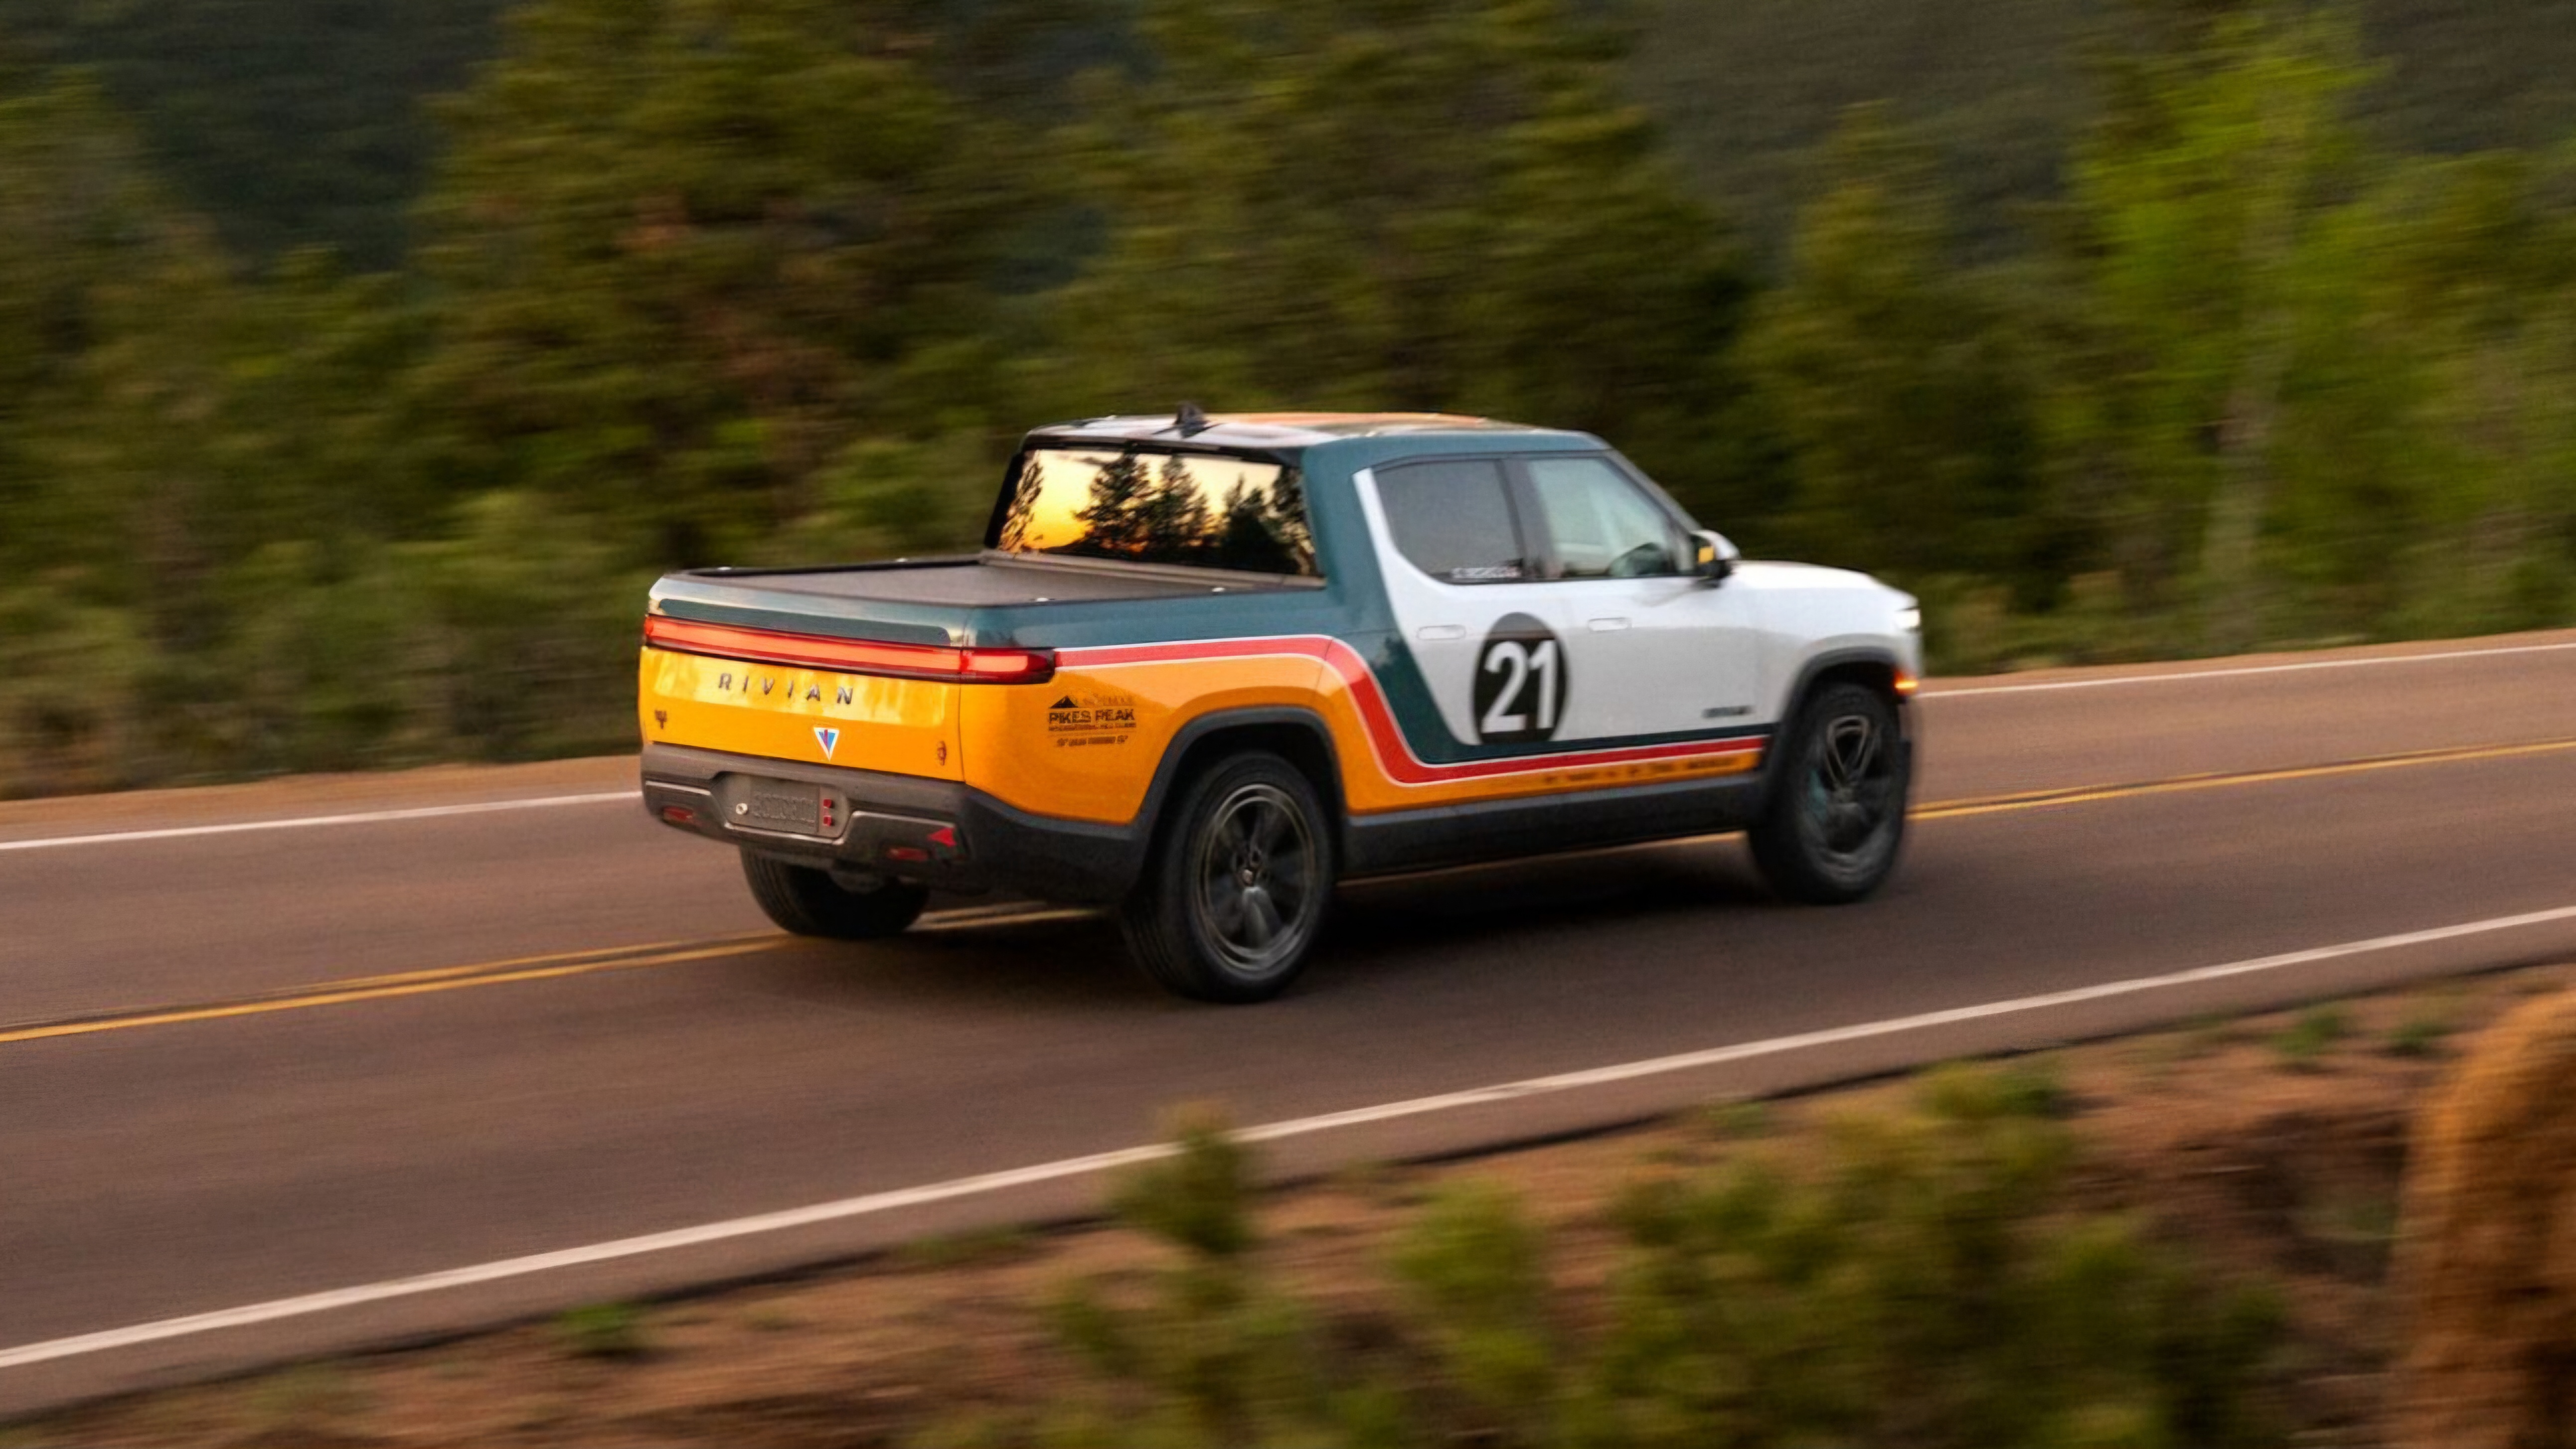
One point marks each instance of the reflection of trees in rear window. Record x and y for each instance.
(1208, 510)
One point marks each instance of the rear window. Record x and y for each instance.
(1138, 505)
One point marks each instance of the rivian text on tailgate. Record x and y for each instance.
(1204, 668)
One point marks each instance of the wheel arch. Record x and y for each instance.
(1875, 669)
(1295, 734)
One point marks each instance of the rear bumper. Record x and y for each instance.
(937, 832)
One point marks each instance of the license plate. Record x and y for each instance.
(783, 805)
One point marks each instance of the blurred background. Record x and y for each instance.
(361, 363)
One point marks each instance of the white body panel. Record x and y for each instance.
(1806, 613)
(1567, 660)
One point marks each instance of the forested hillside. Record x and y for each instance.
(286, 121)
(1750, 89)
(294, 121)
(2181, 329)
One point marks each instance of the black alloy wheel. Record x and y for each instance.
(1237, 890)
(1836, 815)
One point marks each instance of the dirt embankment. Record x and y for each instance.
(2487, 1273)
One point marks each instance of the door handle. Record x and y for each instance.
(1438, 633)
(1608, 626)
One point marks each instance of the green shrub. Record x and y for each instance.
(1919, 1282)
(2419, 1036)
(2312, 1036)
(1475, 1269)
(603, 1331)
(1207, 1354)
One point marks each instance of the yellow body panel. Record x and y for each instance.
(901, 726)
(1085, 747)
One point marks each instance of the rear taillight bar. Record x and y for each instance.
(937, 662)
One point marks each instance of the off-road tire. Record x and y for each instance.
(1841, 777)
(807, 901)
(1236, 890)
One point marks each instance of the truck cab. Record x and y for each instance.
(1206, 667)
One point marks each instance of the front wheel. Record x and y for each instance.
(1236, 891)
(810, 902)
(1836, 815)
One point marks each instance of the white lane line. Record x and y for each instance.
(883, 1202)
(368, 817)
(1939, 693)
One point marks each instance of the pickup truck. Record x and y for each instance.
(1207, 666)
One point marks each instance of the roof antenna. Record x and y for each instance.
(1191, 421)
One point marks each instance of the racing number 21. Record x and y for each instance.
(1529, 665)
(1518, 695)
(1531, 687)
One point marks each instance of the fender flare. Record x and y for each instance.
(1167, 771)
(1805, 685)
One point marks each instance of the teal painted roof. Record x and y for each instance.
(1272, 431)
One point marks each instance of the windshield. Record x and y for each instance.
(1207, 510)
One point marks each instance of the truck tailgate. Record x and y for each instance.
(715, 692)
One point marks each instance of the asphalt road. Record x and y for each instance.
(241, 1066)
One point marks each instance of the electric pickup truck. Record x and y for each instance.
(1205, 667)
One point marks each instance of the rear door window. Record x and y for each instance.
(1453, 520)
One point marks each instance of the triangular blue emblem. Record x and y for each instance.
(829, 739)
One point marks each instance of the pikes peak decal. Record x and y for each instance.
(1091, 718)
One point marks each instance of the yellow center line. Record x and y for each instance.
(2089, 794)
(337, 996)
(605, 955)
(2083, 795)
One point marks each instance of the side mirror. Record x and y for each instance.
(1717, 557)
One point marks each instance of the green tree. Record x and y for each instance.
(2198, 219)
(689, 251)
(287, 122)
(1896, 380)
(2470, 267)
(1380, 204)
(94, 261)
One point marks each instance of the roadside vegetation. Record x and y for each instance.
(2184, 1239)
(1914, 1278)
(2259, 350)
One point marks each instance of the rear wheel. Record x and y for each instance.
(1830, 831)
(813, 902)
(1236, 891)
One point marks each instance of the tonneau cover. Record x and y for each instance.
(991, 582)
